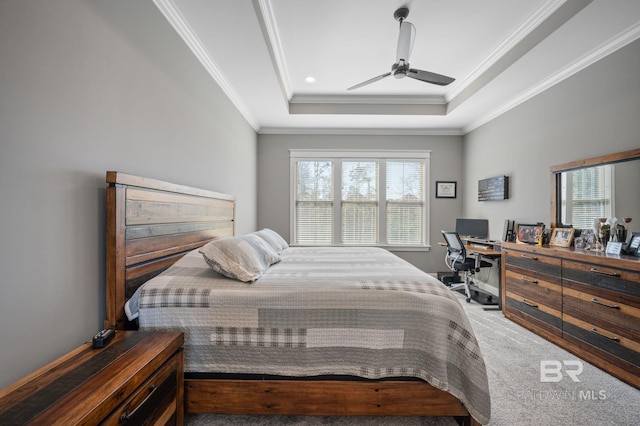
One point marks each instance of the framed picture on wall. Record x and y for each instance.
(445, 189)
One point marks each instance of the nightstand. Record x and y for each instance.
(136, 378)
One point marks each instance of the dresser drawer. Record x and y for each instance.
(545, 290)
(533, 261)
(616, 345)
(535, 296)
(622, 281)
(602, 304)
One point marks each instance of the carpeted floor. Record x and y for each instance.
(513, 356)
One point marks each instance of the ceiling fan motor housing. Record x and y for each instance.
(401, 13)
(399, 70)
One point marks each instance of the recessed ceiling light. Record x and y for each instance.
(310, 79)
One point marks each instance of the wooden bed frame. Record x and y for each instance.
(150, 225)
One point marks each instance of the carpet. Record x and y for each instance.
(513, 356)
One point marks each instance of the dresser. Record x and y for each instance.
(135, 379)
(588, 303)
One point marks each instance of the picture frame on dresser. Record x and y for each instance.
(633, 248)
(562, 237)
(530, 234)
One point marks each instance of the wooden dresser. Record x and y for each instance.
(136, 379)
(586, 302)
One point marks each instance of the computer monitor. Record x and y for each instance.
(474, 228)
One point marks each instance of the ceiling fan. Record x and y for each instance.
(400, 68)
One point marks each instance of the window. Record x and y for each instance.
(590, 195)
(405, 202)
(359, 204)
(314, 202)
(359, 198)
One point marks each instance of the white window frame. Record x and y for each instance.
(337, 156)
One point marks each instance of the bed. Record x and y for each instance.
(324, 331)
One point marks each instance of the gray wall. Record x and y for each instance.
(274, 187)
(595, 112)
(88, 86)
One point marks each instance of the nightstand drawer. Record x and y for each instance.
(153, 402)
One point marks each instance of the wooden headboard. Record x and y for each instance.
(150, 225)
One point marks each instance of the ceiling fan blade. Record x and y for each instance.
(430, 77)
(405, 41)
(372, 80)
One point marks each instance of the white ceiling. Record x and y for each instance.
(501, 52)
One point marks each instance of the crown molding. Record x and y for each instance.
(527, 27)
(359, 131)
(177, 21)
(267, 20)
(368, 99)
(627, 36)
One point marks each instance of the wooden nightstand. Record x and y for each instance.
(136, 378)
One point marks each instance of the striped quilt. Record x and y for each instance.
(322, 311)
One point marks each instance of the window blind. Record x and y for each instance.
(314, 202)
(359, 205)
(405, 202)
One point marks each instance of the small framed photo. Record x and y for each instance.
(634, 244)
(562, 237)
(445, 189)
(588, 239)
(530, 234)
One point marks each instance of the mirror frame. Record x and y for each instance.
(618, 157)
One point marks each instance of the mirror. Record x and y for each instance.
(605, 186)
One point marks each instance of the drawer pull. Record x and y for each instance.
(615, 339)
(597, 302)
(533, 305)
(611, 274)
(528, 281)
(126, 416)
(529, 257)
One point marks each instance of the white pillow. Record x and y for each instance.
(273, 238)
(244, 258)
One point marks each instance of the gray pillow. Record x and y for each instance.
(244, 258)
(273, 238)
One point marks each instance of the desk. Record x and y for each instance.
(488, 250)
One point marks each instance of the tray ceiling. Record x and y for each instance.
(286, 64)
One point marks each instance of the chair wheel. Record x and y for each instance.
(468, 300)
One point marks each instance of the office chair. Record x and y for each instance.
(457, 261)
